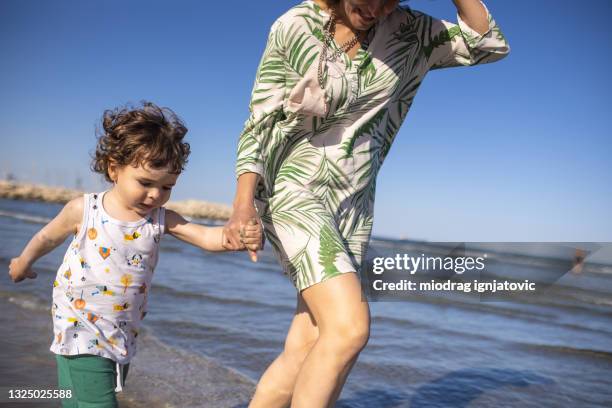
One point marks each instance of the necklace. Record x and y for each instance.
(328, 37)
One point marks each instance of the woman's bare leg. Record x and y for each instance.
(343, 318)
(275, 387)
(343, 377)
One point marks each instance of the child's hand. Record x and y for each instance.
(20, 270)
(251, 238)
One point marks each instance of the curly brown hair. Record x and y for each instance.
(141, 135)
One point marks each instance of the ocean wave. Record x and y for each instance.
(476, 305)
(25, 217)
(572, 298)
(166, 290)
(405, 323)
(150, 337)
(27, 301)
(570, 350)
(541, 318)
(184, 331)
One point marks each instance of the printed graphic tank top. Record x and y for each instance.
(100, 291)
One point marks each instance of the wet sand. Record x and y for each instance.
(26, 361)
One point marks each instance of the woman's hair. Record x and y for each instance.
(143, 135)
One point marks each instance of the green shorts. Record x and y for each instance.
(92, 380)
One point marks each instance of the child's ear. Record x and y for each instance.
(112, 170)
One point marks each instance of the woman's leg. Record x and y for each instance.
(343, 318)
(344, 375)
(276, 385)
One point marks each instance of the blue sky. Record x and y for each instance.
(513, 151)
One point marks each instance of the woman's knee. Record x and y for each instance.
(348, 336)
(359, 333)
(341, 314)
(296, 350)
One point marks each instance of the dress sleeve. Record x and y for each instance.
(266, 105)
(451, 45)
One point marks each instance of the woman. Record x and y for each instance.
(335, 83)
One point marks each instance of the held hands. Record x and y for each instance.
(251, 237)
(20, 270)
(243, 231)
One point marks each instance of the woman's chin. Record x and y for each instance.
(362, 24)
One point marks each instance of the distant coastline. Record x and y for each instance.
(37, 192)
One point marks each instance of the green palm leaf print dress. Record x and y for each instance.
(319, 163)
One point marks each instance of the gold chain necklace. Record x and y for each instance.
(329, 30)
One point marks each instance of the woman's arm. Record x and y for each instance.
(243, 211)
(474, 14)
(266, 104)
(265, 108)
(52, 235)
(475, 39)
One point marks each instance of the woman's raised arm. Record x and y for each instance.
(476, 39)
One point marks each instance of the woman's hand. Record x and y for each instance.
(251, 236)
(234, 230)
(244, 211)
(20, 270)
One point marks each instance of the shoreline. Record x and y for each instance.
(60, 195)
(160, 376)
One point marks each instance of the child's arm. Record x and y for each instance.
(209, 238)
(51, 236)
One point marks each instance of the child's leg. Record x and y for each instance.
(91, 379)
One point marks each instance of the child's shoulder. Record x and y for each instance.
(76, 205)
(74, 210)
(68, 220)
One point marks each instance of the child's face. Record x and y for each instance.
(142, 188)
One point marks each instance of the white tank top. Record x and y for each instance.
(100, 291)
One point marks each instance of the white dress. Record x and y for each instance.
(319, 152)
